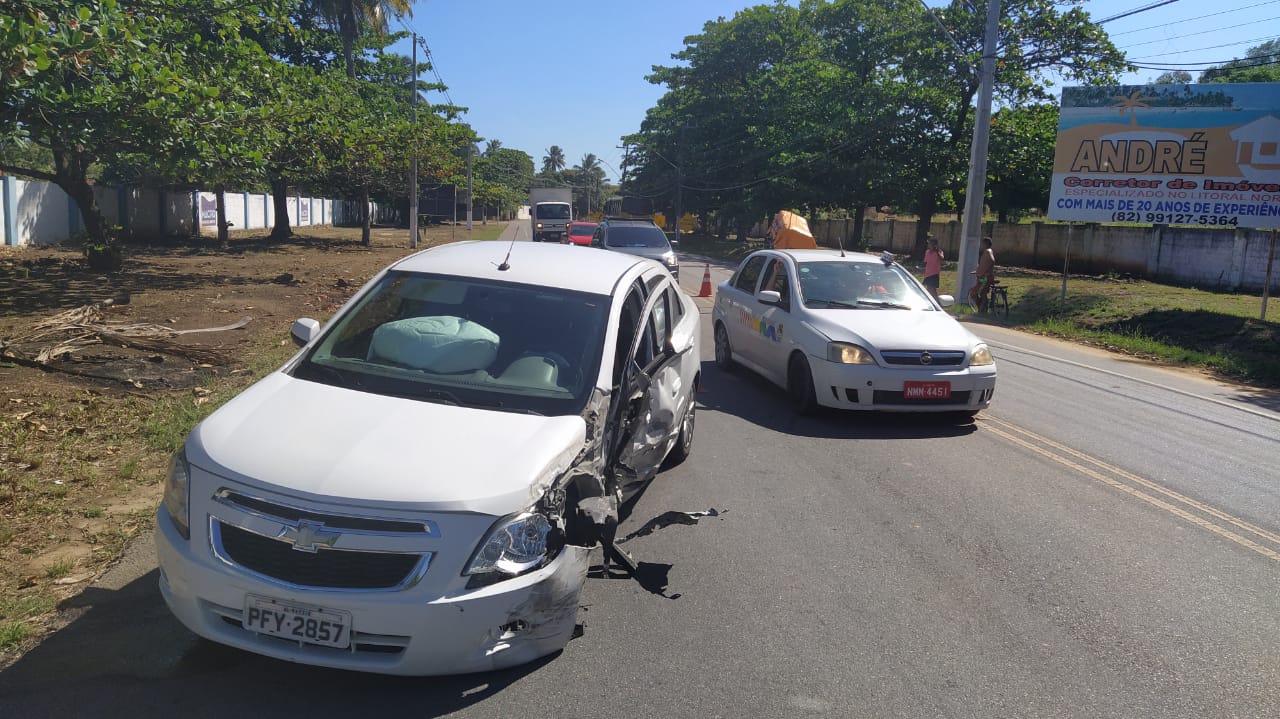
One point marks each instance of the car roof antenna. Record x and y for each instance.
(840, 243)
(507, 265)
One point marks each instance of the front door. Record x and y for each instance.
(652, 393)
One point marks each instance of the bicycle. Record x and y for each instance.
(995, 301)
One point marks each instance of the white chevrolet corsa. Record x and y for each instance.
(418, 489)
(850, 331)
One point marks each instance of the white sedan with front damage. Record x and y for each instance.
(849, 331)
(417, 490)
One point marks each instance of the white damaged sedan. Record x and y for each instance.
(849, 331)
(418, 489)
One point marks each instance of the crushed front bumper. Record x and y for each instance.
(501, 625)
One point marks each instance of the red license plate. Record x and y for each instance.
(926, 390)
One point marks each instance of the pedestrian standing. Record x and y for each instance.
(932, 266)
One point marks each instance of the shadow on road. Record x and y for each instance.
(744, 394)
(124, 655)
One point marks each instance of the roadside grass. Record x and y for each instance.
(1185, 326)
(17, 612)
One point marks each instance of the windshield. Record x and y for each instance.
(556, 211)
(638, 236)
(859, 285)
(466, 341)
(582, 230)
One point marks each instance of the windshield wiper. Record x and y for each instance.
(832, 303)
(884, 304)
(340, 378)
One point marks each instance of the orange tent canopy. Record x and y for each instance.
(790, 231)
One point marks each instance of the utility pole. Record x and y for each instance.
(976, 192)
(413, 161)
(680, 179)
(468, 186)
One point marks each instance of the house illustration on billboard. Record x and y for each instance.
(1258, 149)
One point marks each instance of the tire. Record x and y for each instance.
(800, 386)
(724, 350)
(684, 442)
(1000, 304)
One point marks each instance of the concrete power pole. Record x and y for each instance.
(413, 161)
(976, 192)
(468, 187)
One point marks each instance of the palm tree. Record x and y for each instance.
(491, 147)
(553, 161)
(591, 174)
(352, 18)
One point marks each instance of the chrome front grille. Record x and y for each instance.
(923, 358)
(309, 548)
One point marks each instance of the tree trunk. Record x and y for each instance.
(928, 205)
(365, 217)
(859, 213)
(79, 189)
(280, 229)
(220, 202)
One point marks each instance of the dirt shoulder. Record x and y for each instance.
(85, 441)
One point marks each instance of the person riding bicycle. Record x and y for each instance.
(986, 274)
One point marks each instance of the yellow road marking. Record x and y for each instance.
(990, 424)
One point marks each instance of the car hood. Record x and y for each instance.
(893, 329)
(312, 439)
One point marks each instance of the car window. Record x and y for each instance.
(859, 285)
(675, 305)
(473, 342)
(749, 274)
(628, 321)
(636, 236)
(581, 230)
(553, 212)
(775, 278)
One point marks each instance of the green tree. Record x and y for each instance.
(97, 83)
(1173, 77)
(553, 162)
(1259, 64)
(353, 18)
(1020, 166)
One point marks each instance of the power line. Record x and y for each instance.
(1255, 41)
(1190, 34)
(1142, 9)
(1192, 19)
(1224, 64)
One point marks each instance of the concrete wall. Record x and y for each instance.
(40, 213)
(1202, 257)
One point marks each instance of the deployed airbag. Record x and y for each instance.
(441, 344)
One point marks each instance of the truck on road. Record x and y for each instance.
(550, 212)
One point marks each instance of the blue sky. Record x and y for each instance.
(536, 73)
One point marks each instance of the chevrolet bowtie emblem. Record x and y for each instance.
(926, 358)
(308, 536)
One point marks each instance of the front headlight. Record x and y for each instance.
(539, 225)
(177, 493)
(670, 259)
(845, 353)
(981, 357)
(515, 544)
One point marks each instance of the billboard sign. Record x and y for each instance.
(1205, 155)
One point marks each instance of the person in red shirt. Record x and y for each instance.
(932, 266)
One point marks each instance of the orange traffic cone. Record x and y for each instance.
(706, 283)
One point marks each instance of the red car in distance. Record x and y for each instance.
(580, 233)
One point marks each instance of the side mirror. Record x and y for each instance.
(946, 300)
(304, 330)
(675, 243)
(769, 297)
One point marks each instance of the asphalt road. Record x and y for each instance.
(1102, 543)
